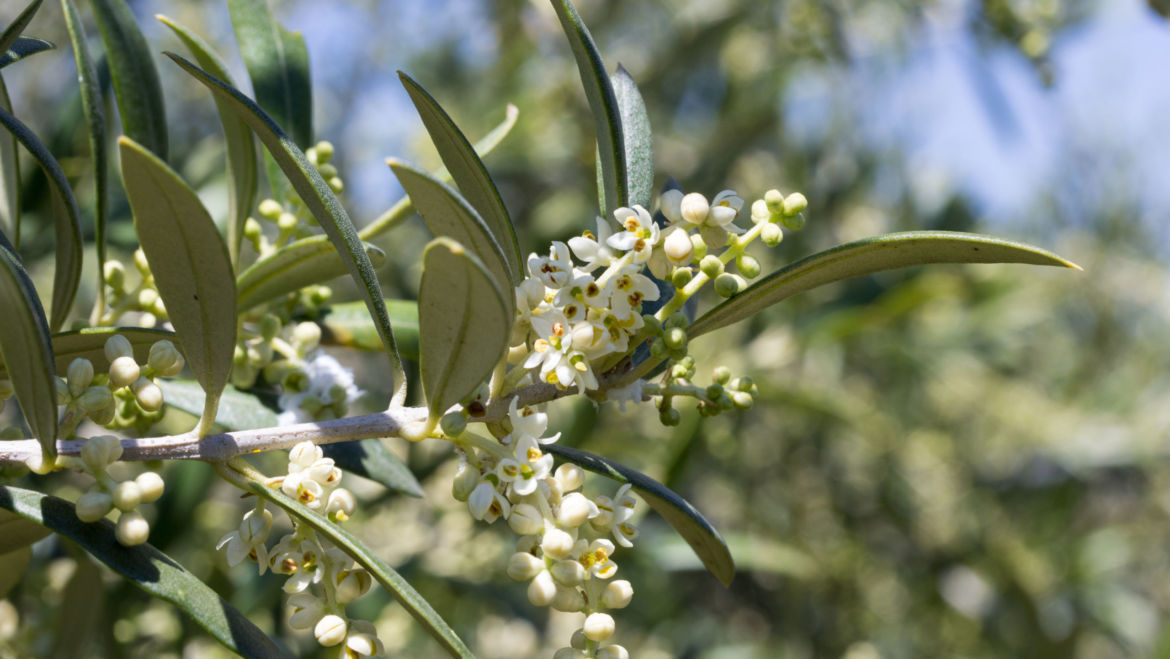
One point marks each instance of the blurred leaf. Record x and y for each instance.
(407, 596)
(190, 265)
(17, 532)
(371, 459)
(22, 48)
(90, 343)
(237, 410)
(146, 567)
(95, 119)
(639, 143)
(9, 176)
(464, 324)
(319, 199)
(67, 222)
(469, 174)
(278, 63)
(25, 346)
(706, 542)
(307, 261)
(604, 105)
(448, 215)
(349, 324)
(863, 257)
(14, 29)
(241, 149)
(82, 605)
(12, 568)
(136, 85)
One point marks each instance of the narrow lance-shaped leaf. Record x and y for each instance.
(603, 104)
(67, 222)
(241, 149)
(863, 257)
(148, 568)
(448, 214)
(95, 121)
(9, 176)
(90, 344)
(468, 172)
(190, 264)
(22, 48)
(14, 29)
(307, 261)
(348, 324)
(407, 596)
(682, 516)
(320, 200)
(278, 63)
(136, 84)
(464, 324)
(25, 346)
(638, 142)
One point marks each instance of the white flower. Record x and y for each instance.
(677, 246)
(534, 465)
(327, 378)
(248, 539)
(487, 504)
(640, 233)
(529, 423)
(623, 509)
(594, 251)
(554, 270)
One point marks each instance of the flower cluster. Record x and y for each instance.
(292, 218)
(107, 494)
(565, 551)
(322, 579)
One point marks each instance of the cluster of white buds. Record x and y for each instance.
(322, 579)
(291, 218)
(564, 552)
(142, 298)
(107, 494)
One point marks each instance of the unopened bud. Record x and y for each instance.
(123, 371)
(694, 208)
(678, 247)
(326, 171)
(722, 374)
(165, 359)
(617, 594)
(270, 209)
(95, 399)
(132, 529)
(568, 572)
(466, 479)
(793, 204)
(748, 266)
(118, 346)
(771, 234)
(556, 544)
(598, 626)
(324, 152)
(286, 222)
(352, 584)
(742, 400)
(336, 184)
(568, 600)
(542, 589)
(140, 262)
(114, 274)
(675, 338)
(775, 201)
(330, 630)
(79, 375)
(669, 417)
(728, 284)
(794, 222)
(522, 566)
(148, 394)
(699, 247)
(760, 212)
(93, 505)
(150, 485)
(681, 277)
(306, 336)
(613, 652)
(526, 519)
(127, 496)
(711, 266)
(570, 476)
(99, 452)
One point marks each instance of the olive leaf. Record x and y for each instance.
(348, 324)
(190, 265)
(22, 48)
(278, 64)
(26, 348)
(636, 137)
(9, 176)
(136, 84)
(14, 29)
(307, 261)
(89, 343)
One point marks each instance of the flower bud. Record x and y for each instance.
(118, 346)
(775, 201)
(675, 338)
(698, 246)
(523, 566)
(140, 262)
(748, 266)
(711, 266)
(146, 298)
(330, 630)
(795, 222)
(618, 594)
(352, 584)
(104, 416)
(569, 653)
(252, 232)
(165, 359)
(578, 639)
(465, 481)
(270, 209)
(286, 221)
(123, 371)
(760, 212)
(542, 589)
(453, 424)
(613, 652)
(556, 544)
(742, 400)
(326, 171)
(678, 247)
(568, 600)
(669, 417)
(62, 390)
(150, 485)
(570, 476)
(681, 277)
(693, 208)
(568, 572)
(341, 505)
(336, 184)
(306, 336)
(79, 375)
(324, 151)
(132, 529)
(95, 399)
(93, 505)
(526, 519)
(99, 452)
(771, 234)
(114, 274)
(793, 204)
(658, 349)
(148, 394)
(727, 285)
(575, 510)
(127, 496)
(670, 203)
(598, 626)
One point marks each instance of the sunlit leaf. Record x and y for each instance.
(25, 347)
(95, 121)
(706, 542)
(349, 324)
(14, 29)
(67, 222)
(9, 176)
(639, 143)
(320, 200)
(17, 532)
(22, 48)
(464, 324)
(89, 343)
(146, 567)
(190, 265)
(448, 214)
(407, 596)
(371, 459)
(242, 172)
(603, 103)
(278, 64)
(136, 84)
(468, 172)
(863, 257)
(312, 260)
(237, 410)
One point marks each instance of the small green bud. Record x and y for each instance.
(748, 266)
(465, 481)
(104, 416)
(793, 204)
(150, 485)
(253, 232)
(675, 338)
(326, 170)
(118, 346)
(743, 384)
(795, 222)
(295, 380)
(165, 358)
(312, 404)
(336, 184)
(725, 404)
(714, 391)
(127, 495)
(678, 371)
(658, 349)
(652, 324)
(93, 505)
(306, 337)
(688, 362)
(287, 222)
(681, 277)
(140, 262)
(722, 374)
(760, 212)
(774, 201)
(727, 285)
(132, 529)
(114, 274)
(453, 424)
(742, 400)
(146, 298)
(100, 452)
(270, 326)
(79, 375)
(711, 266)
(669, 417)
(676, 319)
(94, 399)
(148, 395)
(771, 234)
(270, 209)
(324, 152)
(244, 376)
(320, 295)
(699, 245)
(123, 371)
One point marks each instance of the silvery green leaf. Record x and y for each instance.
(242, 171)
(348, 324)
(464, 324)
(22, 48)
(237, 410)
(469, 173)
(89, 343)
(136, 84)
(9, 176)
(145, 567)
(190, 265)
(604, 105)
(320, 200)
(26, 348)
(448, 214)
(307, 261)
(706, 542)
(863, 257)
(638, 141)
(66, 221)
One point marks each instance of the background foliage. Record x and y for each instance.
(951, 461)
